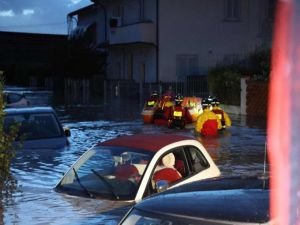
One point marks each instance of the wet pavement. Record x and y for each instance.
(239, 150)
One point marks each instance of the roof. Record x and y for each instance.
(150, 142)
(44, 109)
(84, 9)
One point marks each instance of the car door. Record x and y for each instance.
(192, 161)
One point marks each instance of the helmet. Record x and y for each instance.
(210, 98)
(154, 94)
(215, 101)
(179, 98)
(205, 103)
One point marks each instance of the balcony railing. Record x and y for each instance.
(136, 33)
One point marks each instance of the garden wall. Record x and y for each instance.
(256, 98)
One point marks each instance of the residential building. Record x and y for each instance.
(171, 40)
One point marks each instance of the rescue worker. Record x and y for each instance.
(222, 115)
(163, 111)
(178, 113)
(152, 102)
(208, 122)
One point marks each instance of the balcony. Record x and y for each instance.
(134, 33)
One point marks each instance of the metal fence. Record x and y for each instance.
(193, 86)
(94, 91)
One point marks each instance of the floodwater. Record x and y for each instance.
(240, 150)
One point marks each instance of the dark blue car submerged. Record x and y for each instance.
(211, 202)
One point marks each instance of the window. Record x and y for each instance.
(170, 167)
(197, 160)
(34, 126)
(116, 16)
(186, 65)
(232, 10)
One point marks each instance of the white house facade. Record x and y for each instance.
(170, 40)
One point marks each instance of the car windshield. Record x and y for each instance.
(106, 172)
(34, 126)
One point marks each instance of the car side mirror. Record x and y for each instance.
(67, 131)
(162, 185)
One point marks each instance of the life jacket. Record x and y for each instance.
(151, 102)
(210, 128)
(169, 174)
(220, 114)
(178, 112)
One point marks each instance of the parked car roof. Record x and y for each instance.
(28, 110)
(15, 99)
(213, 201)
(150, 142)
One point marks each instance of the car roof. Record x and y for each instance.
(150, 142)
(13, 92)
(18, 110)
(244, 200)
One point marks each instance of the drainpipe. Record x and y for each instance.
(157, 41)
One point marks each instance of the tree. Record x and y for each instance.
(7, 148)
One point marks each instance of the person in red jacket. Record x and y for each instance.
(178, 113)
(166, 171)
(163, 111)
(222, 115)
(208, 122)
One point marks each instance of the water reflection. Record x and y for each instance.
(238, 150)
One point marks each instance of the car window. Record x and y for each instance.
(34, 126)
(170, 167)
(107, 172)
(12, 98)
(197, 161)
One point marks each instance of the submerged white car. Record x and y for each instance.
(129, 168)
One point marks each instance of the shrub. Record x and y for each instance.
(7, 149)
(224, 81)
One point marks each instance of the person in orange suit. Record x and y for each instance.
(152, 101)
(163, 111)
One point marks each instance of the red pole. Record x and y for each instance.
(284, 115)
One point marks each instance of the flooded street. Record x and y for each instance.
(237, 151)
